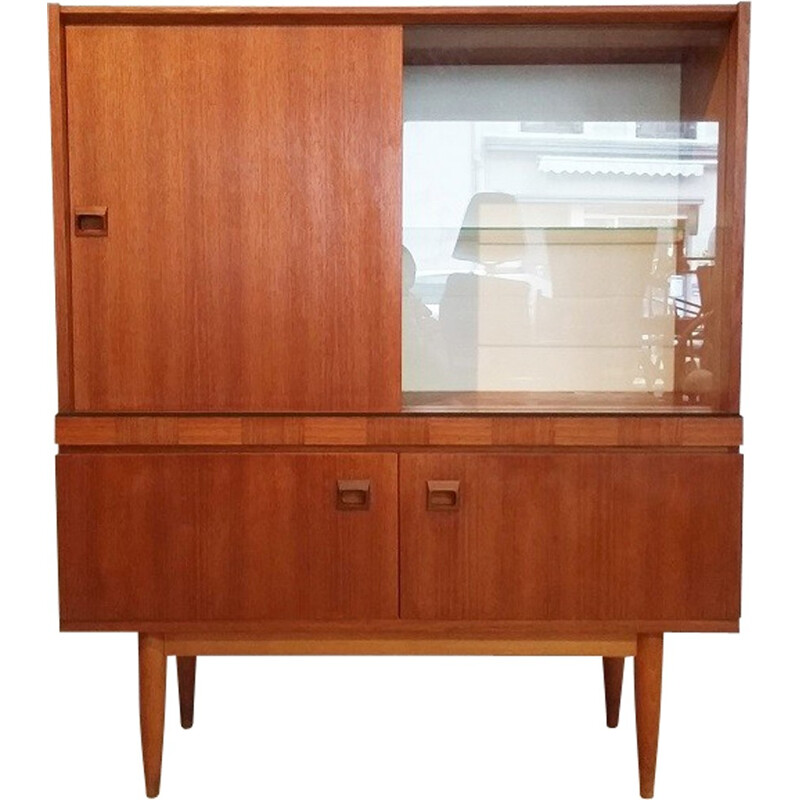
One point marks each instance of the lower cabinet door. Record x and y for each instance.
(576, 536)
(175, 537)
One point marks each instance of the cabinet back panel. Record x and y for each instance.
(180, 538)
(252, 180)
(573, 536)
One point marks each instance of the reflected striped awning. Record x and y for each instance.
(621, 166)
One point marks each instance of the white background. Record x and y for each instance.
(297, 728)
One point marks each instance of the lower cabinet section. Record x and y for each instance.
(572, 536)
(609, 535)
(227, 536)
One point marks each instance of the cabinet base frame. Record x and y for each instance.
(646, 648)
(608, 646)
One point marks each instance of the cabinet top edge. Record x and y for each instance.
(545, 14)
(363, 417)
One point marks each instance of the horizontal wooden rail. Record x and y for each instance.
(251, 646)
(401, 430)
(410, 629)
(541, 15)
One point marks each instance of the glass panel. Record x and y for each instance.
(559, 237)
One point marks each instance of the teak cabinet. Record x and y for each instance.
(408, 331)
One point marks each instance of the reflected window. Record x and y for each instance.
(666, 130)
(564, 126)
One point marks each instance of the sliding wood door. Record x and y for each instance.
(235, 217)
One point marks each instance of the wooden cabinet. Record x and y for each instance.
(187, 538)
(399, 331)
(583, 536)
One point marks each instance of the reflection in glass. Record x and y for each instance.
(556, 255)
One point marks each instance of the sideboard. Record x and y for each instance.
(399, 331)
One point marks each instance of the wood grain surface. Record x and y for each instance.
(732, 209)
(613, 673)
(482, 430)
(572, 536)
(252, 179)
(61, 206)
(647, 691)
(152, 699)
(405, 629)
(187, 674)
(221, 537)
(576, 15)
(614, 647)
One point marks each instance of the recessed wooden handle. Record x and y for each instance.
(444, 495)
(353, 495)
(91, 221)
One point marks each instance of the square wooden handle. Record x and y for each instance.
(444, 495)
(353, 495)
(91, 221)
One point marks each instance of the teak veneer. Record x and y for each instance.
(396, 431)
(240, 471)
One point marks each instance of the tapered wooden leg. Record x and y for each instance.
(647, 680)
(613, 669)
(152, 694)
(187, 666)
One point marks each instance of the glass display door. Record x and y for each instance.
(559, 222)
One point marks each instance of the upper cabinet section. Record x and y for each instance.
(570, 221)
(380, 210)
(234, 221)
